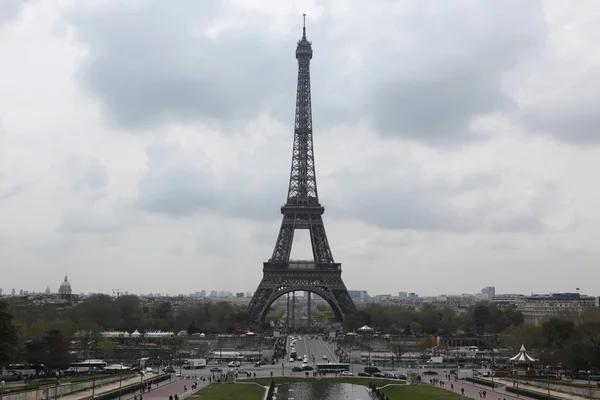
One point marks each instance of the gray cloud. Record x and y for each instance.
(570, 116)
(423, 74)
(10, 10)
(456, 70)
(178, 188)
(151, 65)
(13, 190)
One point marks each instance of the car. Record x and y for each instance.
(324, 357)
(363, 374)
(292, 360)
(430, 372)
(307, 368)
(401, 376)
(296, 369)
(346, 373)
(378, 375)
(216, 369)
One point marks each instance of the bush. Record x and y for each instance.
(483, 382)
(9, 378)
(531, 393)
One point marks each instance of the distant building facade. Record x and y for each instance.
(539, 307)
(65, 291)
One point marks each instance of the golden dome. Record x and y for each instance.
(65, 283)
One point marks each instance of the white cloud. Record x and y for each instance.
(147, 146)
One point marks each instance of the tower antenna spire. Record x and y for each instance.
(303, 26)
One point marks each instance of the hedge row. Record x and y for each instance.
(532, 394)
(483, 382)
(131, 388)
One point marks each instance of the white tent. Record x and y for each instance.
(136, 334)
(523, 356)
(365, 329)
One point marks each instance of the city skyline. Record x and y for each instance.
(450, 154)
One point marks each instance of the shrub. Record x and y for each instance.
(483, 382)
(531, 393)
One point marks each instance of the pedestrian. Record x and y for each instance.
(170, 397)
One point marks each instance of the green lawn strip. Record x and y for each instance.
(229, 391)
(414, 392)
(399, 391)
(345, 379)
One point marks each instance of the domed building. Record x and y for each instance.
(64, 291)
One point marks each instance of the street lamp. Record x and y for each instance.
(589, 383)
(495, 341)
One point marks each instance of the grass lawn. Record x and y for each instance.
(240, 391)
(414, 392)
(229, 391)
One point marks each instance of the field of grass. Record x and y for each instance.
(241, 391)
(414, 392)
(230, 391)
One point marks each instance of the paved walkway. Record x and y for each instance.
(85, 394)
(176, 387)
(472, 391)
(568, 396)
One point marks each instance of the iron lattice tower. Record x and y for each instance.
(302, 210)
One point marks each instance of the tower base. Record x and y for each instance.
(325, 283)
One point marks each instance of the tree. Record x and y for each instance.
(587, 333)
(56, 350)
(557, 331)
(481, 317)
(416, 328)
(8, 335)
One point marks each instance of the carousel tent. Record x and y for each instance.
(523, 356)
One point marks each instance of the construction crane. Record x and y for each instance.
(118, 292)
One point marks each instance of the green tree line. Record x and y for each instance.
(481, 318)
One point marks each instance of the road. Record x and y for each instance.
(313, 348)
(317, 348)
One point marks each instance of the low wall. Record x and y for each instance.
(51, 391)
(578, 391)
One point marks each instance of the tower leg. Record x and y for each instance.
(294, 311)
(308, 313)
(287, 315)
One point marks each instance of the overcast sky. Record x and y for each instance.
(146, 145)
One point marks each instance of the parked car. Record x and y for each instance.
(216, 369)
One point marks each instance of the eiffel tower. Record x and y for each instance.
(302, 210)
